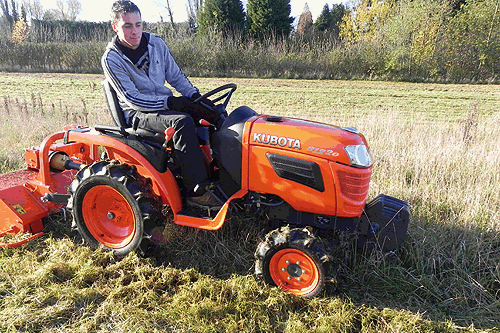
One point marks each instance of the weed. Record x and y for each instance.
(470, 124)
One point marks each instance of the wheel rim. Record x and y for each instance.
(294, 271)
(108, 216)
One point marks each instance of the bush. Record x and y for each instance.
(83, 57)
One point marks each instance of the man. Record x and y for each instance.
(137, 64)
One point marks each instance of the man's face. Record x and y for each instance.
(129, 30)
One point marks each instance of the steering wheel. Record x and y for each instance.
(227, 95)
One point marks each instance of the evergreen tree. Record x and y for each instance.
(325, 19)
(222, 15)
(265, 17)
(329, 20)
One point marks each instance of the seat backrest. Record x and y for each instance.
(119, 118)
(113, 104)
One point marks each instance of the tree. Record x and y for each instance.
(305, 21)
(20, 32)
(362, 21)
(267, 17)
(330, 20)
(34, 9)
(475, 39)
(170, 13)
(221, 15)
(193, 7)
(7, 16)
(15, 14)
(337, 13)
(11, 14)
(324, 21)
(51, 15)
(68, 9)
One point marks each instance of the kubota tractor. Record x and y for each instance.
(310, 179)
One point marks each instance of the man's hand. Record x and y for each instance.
(195, 110)
(204, 101)
(178, 103)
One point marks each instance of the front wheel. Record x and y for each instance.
(294, 260)
(113, 206)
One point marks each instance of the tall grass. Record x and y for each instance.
(31, 108)
(436, 146)
(449, 171)
(214, 55)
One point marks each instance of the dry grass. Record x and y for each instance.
(437, 146)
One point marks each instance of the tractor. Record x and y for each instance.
(309, 179)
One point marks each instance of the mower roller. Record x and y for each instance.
(309, 180)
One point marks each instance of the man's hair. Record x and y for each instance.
(123, 7)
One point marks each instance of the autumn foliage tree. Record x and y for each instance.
(305, 24)
(362, 21)
(20, 32)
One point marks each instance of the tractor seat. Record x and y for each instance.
(123, 128)
(117, 115)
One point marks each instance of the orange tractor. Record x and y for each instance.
(310, 179)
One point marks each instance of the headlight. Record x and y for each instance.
(359, 155)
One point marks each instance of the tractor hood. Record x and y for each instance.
(307, 137)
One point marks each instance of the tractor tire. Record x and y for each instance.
(114, 207)
(293, 260)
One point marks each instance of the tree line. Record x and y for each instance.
(412, 40)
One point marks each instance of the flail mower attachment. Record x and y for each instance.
(27, 196)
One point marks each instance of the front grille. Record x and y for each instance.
(354, 186)
(301, 171)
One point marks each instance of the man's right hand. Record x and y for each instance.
(178, 103)
(195, 110)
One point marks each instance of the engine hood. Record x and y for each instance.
(307, 137)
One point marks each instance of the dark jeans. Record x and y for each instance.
(186, 146)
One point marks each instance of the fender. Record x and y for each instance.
(164, 184)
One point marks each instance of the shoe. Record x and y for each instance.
(205, 201)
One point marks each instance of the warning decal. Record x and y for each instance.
(19, 209)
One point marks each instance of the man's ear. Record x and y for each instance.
(113, 25)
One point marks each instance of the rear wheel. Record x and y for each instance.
(294, 260)
(113, 206)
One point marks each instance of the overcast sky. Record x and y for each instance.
(98, 10)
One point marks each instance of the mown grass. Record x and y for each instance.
(436, 146)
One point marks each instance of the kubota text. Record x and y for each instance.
(276, 141)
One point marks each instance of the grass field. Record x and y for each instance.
(436, 146)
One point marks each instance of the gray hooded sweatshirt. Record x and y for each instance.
(139, 91)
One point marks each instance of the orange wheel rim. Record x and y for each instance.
(108, 216)
(294, 271)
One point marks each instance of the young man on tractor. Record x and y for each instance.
(137, 64)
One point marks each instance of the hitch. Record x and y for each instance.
(56, 198)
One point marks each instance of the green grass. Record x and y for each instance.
(436, 146)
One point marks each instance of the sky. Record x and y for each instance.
(98, 10)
